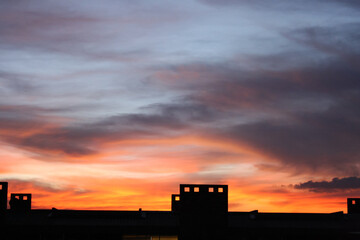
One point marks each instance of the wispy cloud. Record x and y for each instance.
(303, 116)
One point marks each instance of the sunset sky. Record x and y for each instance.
(112, 104)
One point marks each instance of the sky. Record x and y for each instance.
(112, 104)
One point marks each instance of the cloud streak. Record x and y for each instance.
(24, 127)
(336, 184)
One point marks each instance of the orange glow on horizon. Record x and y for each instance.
(133, 174)
(117, 195)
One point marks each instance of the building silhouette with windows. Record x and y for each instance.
(199, 211)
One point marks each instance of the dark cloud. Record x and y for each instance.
(330, 186)
(53, 142)
(318, 118)
(222, 3)
(150, 121)
(340, 41)
(72, 30)
(16, 83)
(57, 29)
(351, 3)
(319, 128)
(27, 128)
(314, 142)
(31, 28)
(279, 4)
(305, 116)
(17, 119)
(186, 111)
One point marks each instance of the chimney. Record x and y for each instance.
(3, 196)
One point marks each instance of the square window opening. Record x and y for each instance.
(196, 189)
(25, 198)
(177, 198)
(353, 202)
(211, 189)
(186, 189)
(0, 186)
(220, 189)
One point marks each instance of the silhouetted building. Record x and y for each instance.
(198, 212)
(3, 196)
(353, 205)
(20, 202)
(202, 211)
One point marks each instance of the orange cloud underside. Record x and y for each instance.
(121, 180)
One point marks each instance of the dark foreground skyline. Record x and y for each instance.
(198, 212)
